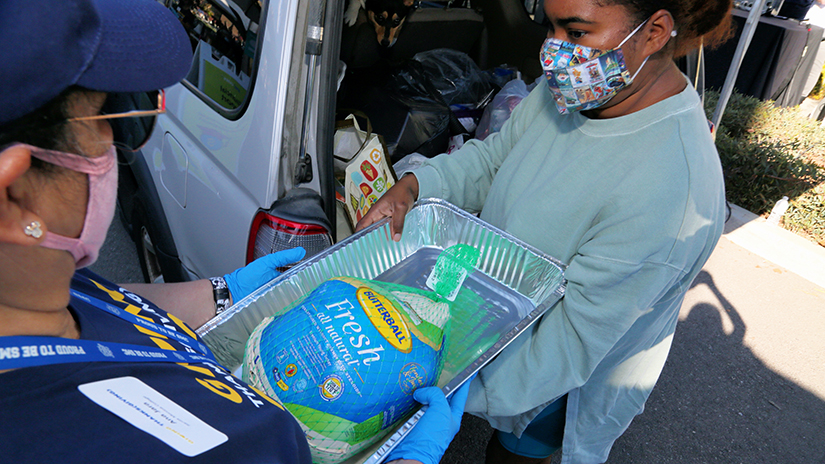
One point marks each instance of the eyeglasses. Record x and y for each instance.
(133, 116)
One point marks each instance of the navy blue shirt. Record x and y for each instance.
(44, 418)
(795, 9)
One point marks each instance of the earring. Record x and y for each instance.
(673, 33)
(33, 230)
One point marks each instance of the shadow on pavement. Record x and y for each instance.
(715, 402)
(718, 403)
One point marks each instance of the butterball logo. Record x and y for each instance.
(386, 319)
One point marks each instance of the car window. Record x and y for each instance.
(224, 37)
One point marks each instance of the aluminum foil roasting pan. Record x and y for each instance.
(513, 284)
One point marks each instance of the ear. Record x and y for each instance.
(659, 32)
(14, 215)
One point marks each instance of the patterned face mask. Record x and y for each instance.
(582, 78)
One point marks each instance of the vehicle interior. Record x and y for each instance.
(449, 60)
(429, 90)
(413, 92)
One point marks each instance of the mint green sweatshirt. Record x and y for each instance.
(634, 205)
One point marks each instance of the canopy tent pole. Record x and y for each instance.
(736, 62)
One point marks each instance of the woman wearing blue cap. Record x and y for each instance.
(608, 166)
(91, 371)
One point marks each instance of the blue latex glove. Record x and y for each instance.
(431, 436)
(243, 281)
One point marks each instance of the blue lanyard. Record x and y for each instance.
(29, 351)
(183, 339)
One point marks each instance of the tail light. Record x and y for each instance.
(271, 233)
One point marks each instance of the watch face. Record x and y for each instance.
(220, 292)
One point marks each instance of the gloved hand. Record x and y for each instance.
(431, 436)
(243, 281)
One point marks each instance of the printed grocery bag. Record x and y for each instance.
(361, 159)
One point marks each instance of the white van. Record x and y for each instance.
(241, 163)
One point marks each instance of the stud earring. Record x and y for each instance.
(34, 230)
(673, 33)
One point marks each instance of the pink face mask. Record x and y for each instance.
(100, 210)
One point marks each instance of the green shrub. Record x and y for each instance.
(803, 137)
(768, 152)
(758, 174)
(741, 112)
(806, 215)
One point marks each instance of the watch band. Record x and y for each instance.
(220, 291)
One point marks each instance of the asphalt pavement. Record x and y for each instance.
(745, 380)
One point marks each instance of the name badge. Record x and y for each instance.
(150, 411)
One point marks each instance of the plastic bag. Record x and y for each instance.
(425, 131)
(456, 76)
(408, 163)
(346, 358)
(501, 75)
(499, 110)
(430, 122)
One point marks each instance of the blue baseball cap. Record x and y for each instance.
(103, 45)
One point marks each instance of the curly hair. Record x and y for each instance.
(705, 22)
